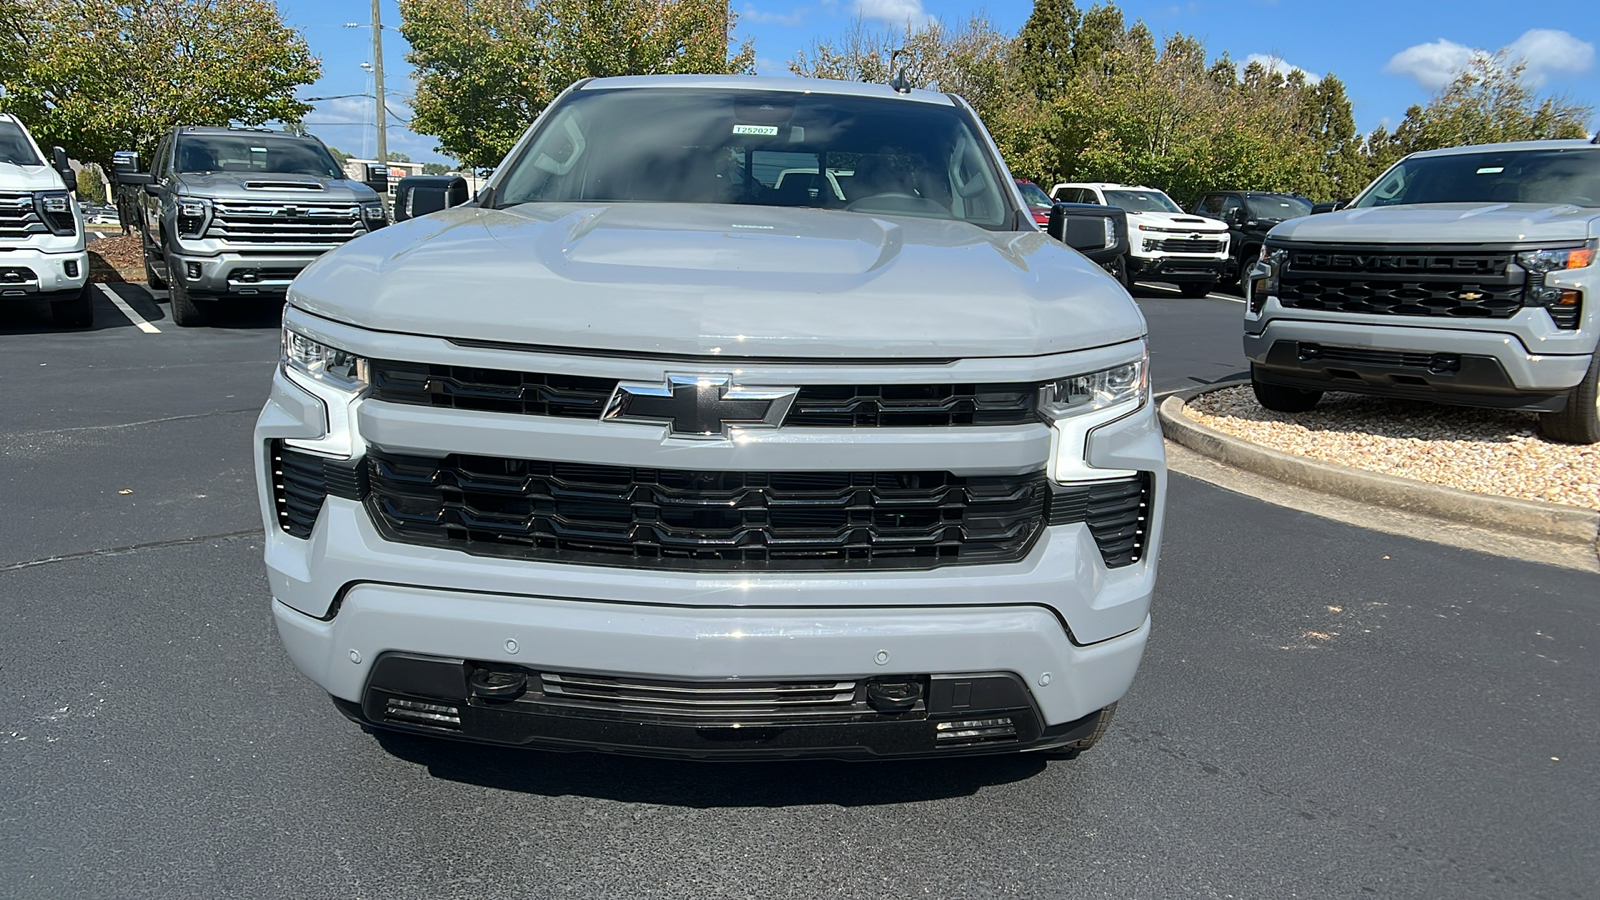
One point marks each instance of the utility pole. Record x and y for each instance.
(377, 75)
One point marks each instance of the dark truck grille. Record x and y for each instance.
(314, 223)
(19, 218)
(1422, 282)
(1189, 245)
(707, 702)
(301, 481)
(659, 518)
(571, 396)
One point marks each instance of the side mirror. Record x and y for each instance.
(418, 195)
(1235, 217)
(377, 177)
(134, 179)
(1328, 206)
(151, 188)
(58, 158)
(122, 162)
(1098, 232)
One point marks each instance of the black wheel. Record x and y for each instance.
(76, 311)
(1119, 271)
(186, 313)
(1078, 747)
(1579, 421)
(1278, 398)
(1196, 289)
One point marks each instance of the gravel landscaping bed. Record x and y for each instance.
(1482, 450)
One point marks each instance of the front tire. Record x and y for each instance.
(1079, 747)
(1278, 398)
(186, 313)
(1579, 421)
(76, 311)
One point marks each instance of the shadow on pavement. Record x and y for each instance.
(708, 784)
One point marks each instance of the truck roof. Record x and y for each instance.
(1510, 146)
(767, 83)
(1105, 185)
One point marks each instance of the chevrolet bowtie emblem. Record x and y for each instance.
(1469, 296)
(699, 406)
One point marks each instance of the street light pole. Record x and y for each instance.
(377, 75)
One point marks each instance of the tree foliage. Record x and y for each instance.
(485, 69)
(96, 76)
(1084, 96)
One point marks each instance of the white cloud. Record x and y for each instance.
(894, 12)
(788, 19)
(1546, 51)
(1281, 66)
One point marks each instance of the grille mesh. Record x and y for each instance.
(659, 518)
(317, 224)
(1419, 283)
(1117, 513)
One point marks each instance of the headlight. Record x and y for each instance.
(1097, 390)
(373, 215)
(328, 365)
(55, 209)
(1274, 258)
(193, 217)
(1542, 262)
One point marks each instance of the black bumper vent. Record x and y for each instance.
(1117, 513)
(661, 518)
(301, 481)
(822, 406)
(1189, 245)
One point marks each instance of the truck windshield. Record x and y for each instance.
(1279, 206)
(200, 154)
(15, 147)
(878, 155)
(1141, 201)
(1507, 176)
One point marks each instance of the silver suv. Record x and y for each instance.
(238, 212)
(662, 447)
(1463, 276)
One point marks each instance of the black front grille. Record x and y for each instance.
(1117, 513)
(1453, 284)
(1391, 359)
(490, 390)
(1189, 245)
(708, 702)
(302, 481)
(661, 518)
(822, 406)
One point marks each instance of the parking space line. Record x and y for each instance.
(138, 321)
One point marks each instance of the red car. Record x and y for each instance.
(1038, 201)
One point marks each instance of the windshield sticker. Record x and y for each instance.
(258, 149)
(1491, 170)
(768, 130)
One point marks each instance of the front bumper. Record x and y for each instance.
(1177, 268)
(31, 272)
(1441, 364)
(241, 274)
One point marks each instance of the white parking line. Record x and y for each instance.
(137, 320)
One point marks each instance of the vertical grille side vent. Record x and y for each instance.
(302, 481)
(1117, 513)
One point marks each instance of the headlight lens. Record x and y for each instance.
(1542, 262)
(329, 365)
(1097, 390)
(55, 208)
(373, 215)
(193, 215)
(1275, 259)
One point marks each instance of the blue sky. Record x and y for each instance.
(1389, 54)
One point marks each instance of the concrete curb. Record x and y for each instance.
(1528, 518)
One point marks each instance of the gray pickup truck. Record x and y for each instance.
(1462, 276)
(238, 212)
(664, 446)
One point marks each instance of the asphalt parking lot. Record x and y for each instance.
(1323, 711)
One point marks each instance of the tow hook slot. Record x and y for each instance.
(893, 695)
(496, 684)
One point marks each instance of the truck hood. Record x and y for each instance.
(307, 189)
(1177, 222)
(1444, 223)
(727, 281)
(29, 178)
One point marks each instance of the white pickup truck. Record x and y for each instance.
(41, 230)
(1164, 242)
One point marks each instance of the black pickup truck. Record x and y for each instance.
(1249, 215)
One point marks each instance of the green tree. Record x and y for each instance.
(1043, 53)
(91, 184)
(339, 156)
(1488, 102)
(96, 76)
(397, 156)
(486, 68)
(970, 61)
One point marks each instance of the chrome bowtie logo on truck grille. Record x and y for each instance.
(699, 406)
